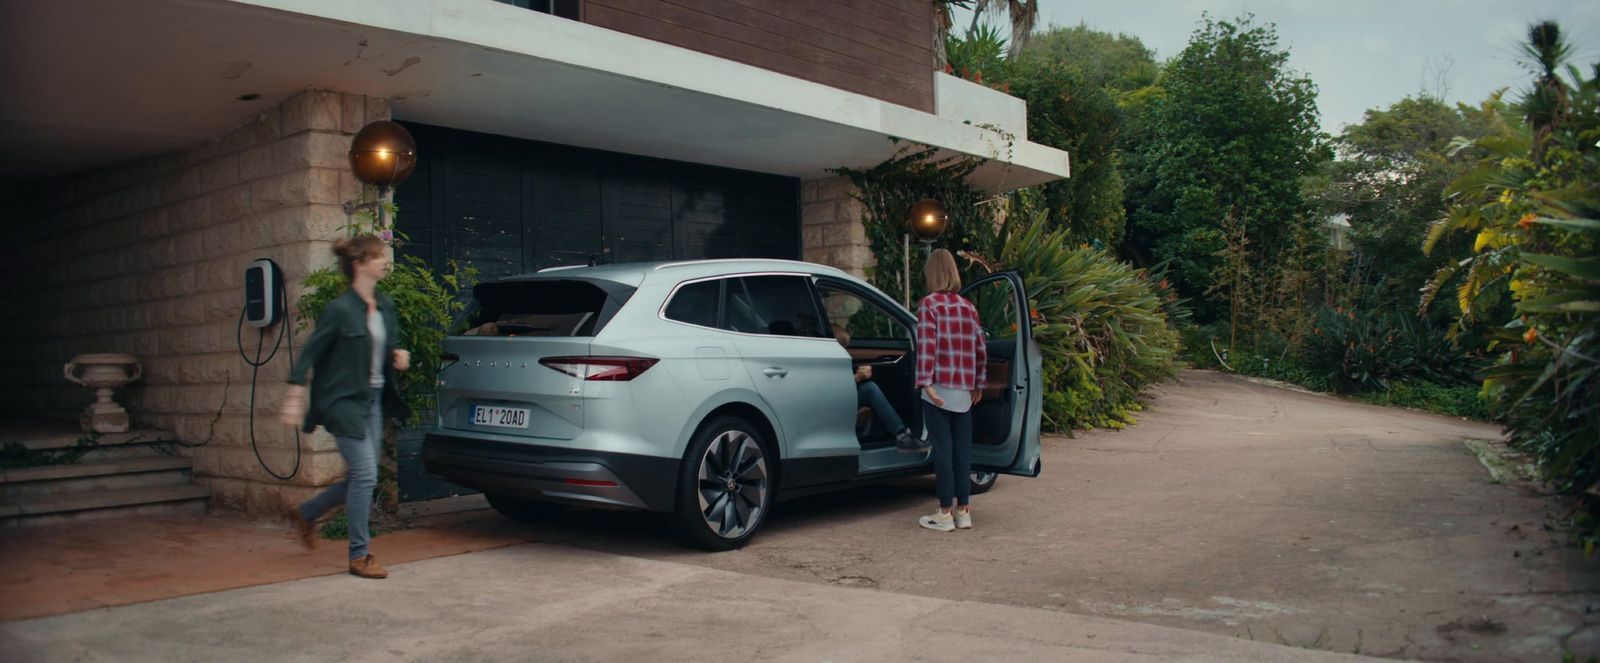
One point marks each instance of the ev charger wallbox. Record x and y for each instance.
(263, 293)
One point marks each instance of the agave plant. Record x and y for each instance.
(1022, 14)
(1099, 324)
(979, 55)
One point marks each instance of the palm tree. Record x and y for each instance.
(1024, 15)
(1547, 105)
(941, 26)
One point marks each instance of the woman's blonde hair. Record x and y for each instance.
(940, 274)
(360, 248)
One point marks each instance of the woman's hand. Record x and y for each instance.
(863, 373)
(977, 395)
(402, 360)
(933, 396)
(294, 406)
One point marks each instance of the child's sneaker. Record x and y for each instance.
(904, 443)
(963, 518)
(940, 521)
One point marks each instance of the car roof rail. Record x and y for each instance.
(714, 261)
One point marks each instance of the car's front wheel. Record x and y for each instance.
(725, 485)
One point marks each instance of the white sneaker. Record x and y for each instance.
(940, 521)
(963, 519)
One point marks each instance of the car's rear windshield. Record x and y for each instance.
(544, 307)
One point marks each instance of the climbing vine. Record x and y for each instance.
(889, 189)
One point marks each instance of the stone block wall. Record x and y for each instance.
(147, 258)
(831, 232)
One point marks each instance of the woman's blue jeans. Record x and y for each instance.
(361, 478)
(951, 433)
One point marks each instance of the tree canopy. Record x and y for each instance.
(1228, 141)
(1389, 183)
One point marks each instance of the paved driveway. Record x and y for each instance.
(557, 603)
(1234, 511)
(1232, 508)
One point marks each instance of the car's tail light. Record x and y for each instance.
(601, 369)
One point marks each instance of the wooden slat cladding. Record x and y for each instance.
(879, 48)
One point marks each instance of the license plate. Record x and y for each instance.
(502, 417)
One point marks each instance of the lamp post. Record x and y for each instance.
(382, 154)
(928, 219)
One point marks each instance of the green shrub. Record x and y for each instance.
(1355, 352)
(1532, 205)
(1098, 322)
(1458, 400)
(1206, 347)
(1358, 351)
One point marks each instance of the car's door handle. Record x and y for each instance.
(775, 372)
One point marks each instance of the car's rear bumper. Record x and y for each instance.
(539, 472)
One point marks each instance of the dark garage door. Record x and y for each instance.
(507, 206)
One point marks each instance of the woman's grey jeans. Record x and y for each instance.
(361, 457)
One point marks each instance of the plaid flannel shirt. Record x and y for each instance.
(950, 347)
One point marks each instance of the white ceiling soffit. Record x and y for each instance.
(93, 82)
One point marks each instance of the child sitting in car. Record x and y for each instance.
(870, 396)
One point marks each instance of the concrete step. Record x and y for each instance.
(102, 475)
(122, 452)
(78, 507)
(57, 439)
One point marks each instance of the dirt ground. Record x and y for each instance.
(1233, 508)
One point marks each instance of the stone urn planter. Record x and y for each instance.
(103, 372)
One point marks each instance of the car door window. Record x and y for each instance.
(696, 303)
(996, 302)
(774, 305)
(863, 320)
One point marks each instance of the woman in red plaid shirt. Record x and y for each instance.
(951, 361)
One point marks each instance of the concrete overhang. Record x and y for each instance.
(93, 82)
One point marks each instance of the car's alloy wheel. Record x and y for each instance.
(983, 481)
(732, 484)
(725, 485)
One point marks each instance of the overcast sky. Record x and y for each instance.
(1360, 53)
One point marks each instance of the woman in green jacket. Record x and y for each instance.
(354, 363)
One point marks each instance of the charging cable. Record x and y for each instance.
(255, 369)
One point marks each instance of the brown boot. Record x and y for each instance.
(367, 567)
(303, 529)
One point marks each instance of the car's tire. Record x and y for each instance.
(517, 508)
(725, 485)
(983, 481)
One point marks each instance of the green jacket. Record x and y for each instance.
(339, 356)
